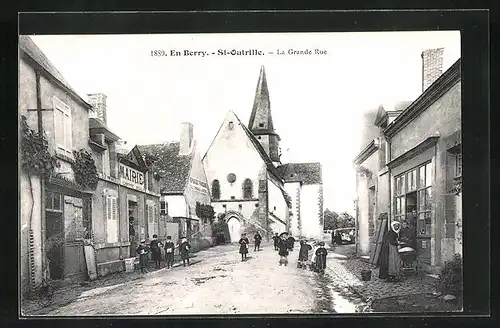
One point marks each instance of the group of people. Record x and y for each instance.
(155, 248)
(244, 242)
(284, 244)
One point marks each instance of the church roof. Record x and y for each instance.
(306, 173)
(261, 120)
(166, 163)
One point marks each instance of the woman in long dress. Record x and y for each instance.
(393, 271)
(384, 256)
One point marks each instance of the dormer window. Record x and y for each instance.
(261, 125)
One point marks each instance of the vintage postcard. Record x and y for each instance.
(240, 173)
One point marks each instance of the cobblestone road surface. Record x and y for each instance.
(217, 282)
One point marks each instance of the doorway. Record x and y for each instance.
(409, 229)
(133, 225)
(55, 242)
(234, 227)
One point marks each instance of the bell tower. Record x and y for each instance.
(261, 120)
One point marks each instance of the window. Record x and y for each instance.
(62, 126)
(106, 168)
(419, 181)
(156, 219)
(231, 125)
(111, 219)
(216, 190)
(458, 165)
(163, 207)
(247, 189)
(150, 214)
(53, 202)
(261, 125)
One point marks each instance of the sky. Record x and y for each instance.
(317, 101)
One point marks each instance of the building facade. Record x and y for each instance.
(183, 187)
(125, 204)
(246, 179)
(54, 211)
(421, 173)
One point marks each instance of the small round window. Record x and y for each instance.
(231, 177)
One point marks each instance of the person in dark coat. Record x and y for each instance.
(257, 240)
(184, 251)
(143, 251)
(156, 246)
(303, 254)
(283, 249)
(243, 246)
(383, 260)
(394, 257)
(276, 240)
(321, 254)
(290, 242)
(169, 252)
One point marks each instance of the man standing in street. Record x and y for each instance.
(169, 252)
(155, 246)
(283, 249)
(276, 240)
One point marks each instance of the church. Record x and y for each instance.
(251, 189)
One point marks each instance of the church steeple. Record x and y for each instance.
(261, 120)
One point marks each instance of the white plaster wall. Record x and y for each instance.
(277, 227)
(276, 199)
(176, 205)
(233, 152)
(309, 211)
(363, 216)
(291, 189)
(247, 207)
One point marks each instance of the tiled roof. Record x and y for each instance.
(306, 173)
(27, 45)
(172, 168)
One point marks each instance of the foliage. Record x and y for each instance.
(85, 169)
(334, 220)
(205, 212)
(321, 215)
(35, 156)
(450, 278)
(219, 227)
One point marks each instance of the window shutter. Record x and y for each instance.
(59, 127)
(68, 132)
(108, 207)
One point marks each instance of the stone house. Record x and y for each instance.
(54, 212)
(183, 186)
(125, 204)
(419, 168)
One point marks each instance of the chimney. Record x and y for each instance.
(432, 66)
(186, 139)
(98, 102)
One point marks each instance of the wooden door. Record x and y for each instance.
(74, 257)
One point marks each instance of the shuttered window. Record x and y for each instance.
(63, 132)
(151, 223)
(111, 219)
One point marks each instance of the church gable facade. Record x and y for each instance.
(248, 183)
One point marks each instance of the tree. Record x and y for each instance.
(334, 220)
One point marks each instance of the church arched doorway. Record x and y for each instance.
(234, 227)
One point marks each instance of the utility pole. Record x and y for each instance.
(39, 111)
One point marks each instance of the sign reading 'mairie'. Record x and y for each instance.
(131, 177)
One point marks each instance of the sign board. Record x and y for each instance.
(131, 177)
(198, 185)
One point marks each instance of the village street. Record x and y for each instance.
(217, 282)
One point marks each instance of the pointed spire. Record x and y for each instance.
(261, 118)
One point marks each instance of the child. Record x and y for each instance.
(184, 250)
(283, 250)
(303, 254)
(156, 250)
(321, 254)
(257, 239)
(243, 246)
(276, 240)
(143, 252)
(290, 241)
(169, 252)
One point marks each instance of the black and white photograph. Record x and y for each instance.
(240, 173)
